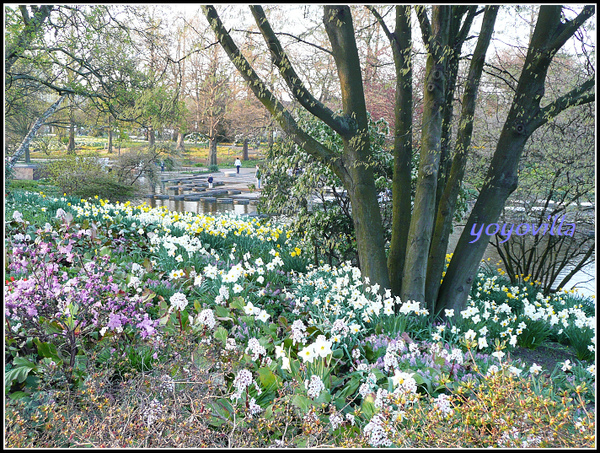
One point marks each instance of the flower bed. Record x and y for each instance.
(217, 331)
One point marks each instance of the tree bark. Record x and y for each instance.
(245, 150)
(360, 183)
(33, 25)
(401, 43)
(447, 205)
(71, 144)
(110, 136)
(12, 160)
(180, 142)
(523, 118)
(423, 218)
(212, 152)
(151, 137)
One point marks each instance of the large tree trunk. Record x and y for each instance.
(524, 117)
(357, 150)
(447, 204)
(245, 150)
(12, 160)
(423, 217)
(180, 143)
(212, 152)
(151, 137)
(401, 185)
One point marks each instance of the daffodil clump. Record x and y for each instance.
(223, 323)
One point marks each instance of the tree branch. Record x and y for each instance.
(425, 26)
(299, 91)
(12, 160)
(577, 96)
(271, 103)
(381, 22)
(316, 46)
(570, 27)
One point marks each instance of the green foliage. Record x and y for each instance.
(213, 168)
(85, 176)
(298, 185)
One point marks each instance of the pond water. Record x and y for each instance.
(202, 207)
(584, 280)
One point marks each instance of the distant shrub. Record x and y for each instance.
(87, 176)
(213, 168)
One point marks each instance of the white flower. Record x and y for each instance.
(256, 348)
(254, 408)
(307, 354)
(206, 318)
(470, 334)
(566, 365)
(482, 342)
(449, 313)
(492, 370)
(315, 386)
(242, 381)
(404, 382)
(535, 369)
(178, 301)
(263, 316)
(285, 364)
(279, 351)
(230, 344)
(249, 309)
(322, 347)
(354, 328)
(591, 369)
(442, 403)
(336, 420)
(498, 354)
(198, 280)
(237, 288)
(514, 370)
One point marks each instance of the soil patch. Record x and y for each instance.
(547, 355)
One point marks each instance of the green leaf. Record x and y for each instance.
(222, 312)
(324, 397)
(221, 335)
(237, 302)
(48, 350)
(18, 395)
(301, 402)
(267, 378)
(368, 407)
(23, 362)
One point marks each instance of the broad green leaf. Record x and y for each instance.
(221, 335)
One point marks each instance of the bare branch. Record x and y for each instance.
(316, 46)
(569, 28)
(299, 91)
(577, 96)
(271, 103)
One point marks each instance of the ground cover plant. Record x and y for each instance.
(127, 326)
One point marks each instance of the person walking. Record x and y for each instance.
(257, 176)
(238, 164)
(210, 181)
